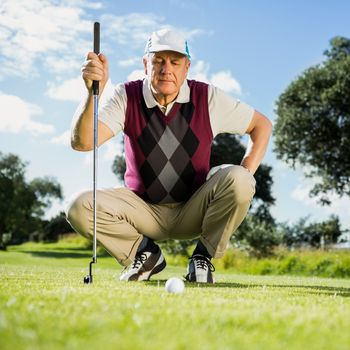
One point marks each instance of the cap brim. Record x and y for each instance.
(158, 48)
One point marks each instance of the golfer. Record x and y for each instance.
(169, 123)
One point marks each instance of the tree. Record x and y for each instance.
(22, 203)
(119, 167)
(312, 235)
(313, 122)
(55, 227)
(257, 236)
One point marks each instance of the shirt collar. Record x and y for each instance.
(182, 97)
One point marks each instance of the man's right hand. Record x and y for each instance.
(95, 67)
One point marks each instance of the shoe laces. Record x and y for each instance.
(139, 261)
(203, 262)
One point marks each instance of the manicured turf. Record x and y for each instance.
(44, 305)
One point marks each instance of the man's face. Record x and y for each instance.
(167, 71)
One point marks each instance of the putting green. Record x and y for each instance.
(45, 305)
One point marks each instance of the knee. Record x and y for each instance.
(78, 213)
(239, 183)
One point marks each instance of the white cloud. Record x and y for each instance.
(301, 194)
(112, 148)
(136, 74)
(222, 79)
(34, 32)
(225, 81)
(17, 116)
(88, 158)
(130, 62)
(84, 3)
(55, 34)
(65, 63)
(69, 90)
(74, 90)
(339, 205)
(280, 169)
(187, 6)
(199, 71)
(133, 29)
(63, 139)
(106, 152)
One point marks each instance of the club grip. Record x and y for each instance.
(95, 83)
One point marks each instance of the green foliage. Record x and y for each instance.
(45, 190)
(5, 239)
(291, 265)
(119, 167)
(303, 234)
(22, 203)
(257, 235)
(55, 228)
(178, 247)
(332, 263)
(313, 124)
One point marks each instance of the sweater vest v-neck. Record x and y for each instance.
(167, 157)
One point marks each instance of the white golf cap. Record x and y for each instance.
(167, 40)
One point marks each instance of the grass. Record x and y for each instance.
(44, 305)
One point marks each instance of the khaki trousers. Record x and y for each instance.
(213, 213)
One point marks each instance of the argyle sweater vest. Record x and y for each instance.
(167, 157)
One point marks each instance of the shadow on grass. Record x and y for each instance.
(62, 253)
(58, 255)
(81, 249)
(297, 289)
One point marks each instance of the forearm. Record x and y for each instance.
(257, 146)
(95, 68)
(82, 125)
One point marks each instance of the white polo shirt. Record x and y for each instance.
(227, 114)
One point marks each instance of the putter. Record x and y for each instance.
(95, 89)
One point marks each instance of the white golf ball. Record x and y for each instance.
(175, 285)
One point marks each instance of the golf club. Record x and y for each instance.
(95, 89)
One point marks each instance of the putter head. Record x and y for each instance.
(88, 279)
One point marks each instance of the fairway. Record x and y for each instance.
(45, 305)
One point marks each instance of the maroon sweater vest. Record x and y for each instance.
(167, 157)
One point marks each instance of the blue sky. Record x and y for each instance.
(251, 49)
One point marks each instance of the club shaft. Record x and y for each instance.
(95, 166)
(95, 89)
(96, 44)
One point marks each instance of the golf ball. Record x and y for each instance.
(175, 285)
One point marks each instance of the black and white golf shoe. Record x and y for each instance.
(144, 266)
(200, 270)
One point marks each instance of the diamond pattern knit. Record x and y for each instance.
(165, 146)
